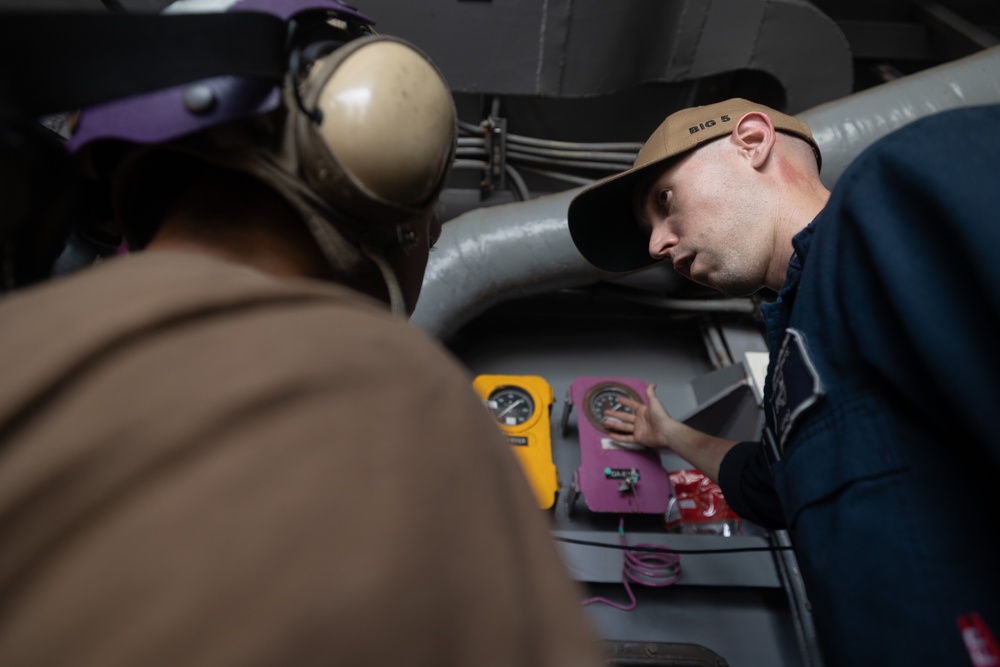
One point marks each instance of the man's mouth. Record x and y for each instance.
(682, 265)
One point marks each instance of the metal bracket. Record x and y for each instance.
(495, 133)
(567, 408)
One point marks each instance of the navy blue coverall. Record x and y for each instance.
(883, 393)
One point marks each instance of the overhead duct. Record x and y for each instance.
(491, 255)
(586, 48)
(847, 126)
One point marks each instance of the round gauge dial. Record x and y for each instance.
(607, 396)
(511, 405)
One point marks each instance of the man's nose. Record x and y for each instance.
(661, 242)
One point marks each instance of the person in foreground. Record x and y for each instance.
(880, 451)
(230, 447)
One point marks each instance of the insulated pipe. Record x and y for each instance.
(491, 255)
(845, 127)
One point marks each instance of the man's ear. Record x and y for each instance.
(755, 136)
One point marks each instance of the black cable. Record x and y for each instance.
(732, 550)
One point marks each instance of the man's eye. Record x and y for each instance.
(664, 197)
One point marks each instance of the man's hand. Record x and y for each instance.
(648, 426)
(652, 426)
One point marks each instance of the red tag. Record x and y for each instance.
(979, 641)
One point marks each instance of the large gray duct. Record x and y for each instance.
(584, 48)
(846, 127)
(495, 254)
(491, 255)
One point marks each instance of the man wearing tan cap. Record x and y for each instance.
(879, 454)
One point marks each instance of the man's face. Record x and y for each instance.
(704, 214)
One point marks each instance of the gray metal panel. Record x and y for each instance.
(722, 381)
(733, 414)
(798, 46)
(730, 33)
(651, 654)
(611, 48)
(748, 627)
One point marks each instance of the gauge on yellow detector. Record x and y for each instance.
(521, 405)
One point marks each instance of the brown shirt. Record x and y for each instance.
(204, 465)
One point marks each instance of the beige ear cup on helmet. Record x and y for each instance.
(380, 147)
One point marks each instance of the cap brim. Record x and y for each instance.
(603, 226)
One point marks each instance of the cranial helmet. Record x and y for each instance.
(358, 137)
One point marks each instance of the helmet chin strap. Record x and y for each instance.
(347, 250)
(396, 301)
(345, 256)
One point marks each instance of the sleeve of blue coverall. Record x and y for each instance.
(747, 483)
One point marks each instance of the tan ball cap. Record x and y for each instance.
(601, 220)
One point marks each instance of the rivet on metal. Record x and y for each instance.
(199, 99)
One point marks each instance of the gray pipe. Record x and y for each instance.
(845, 127)
(491, 255)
